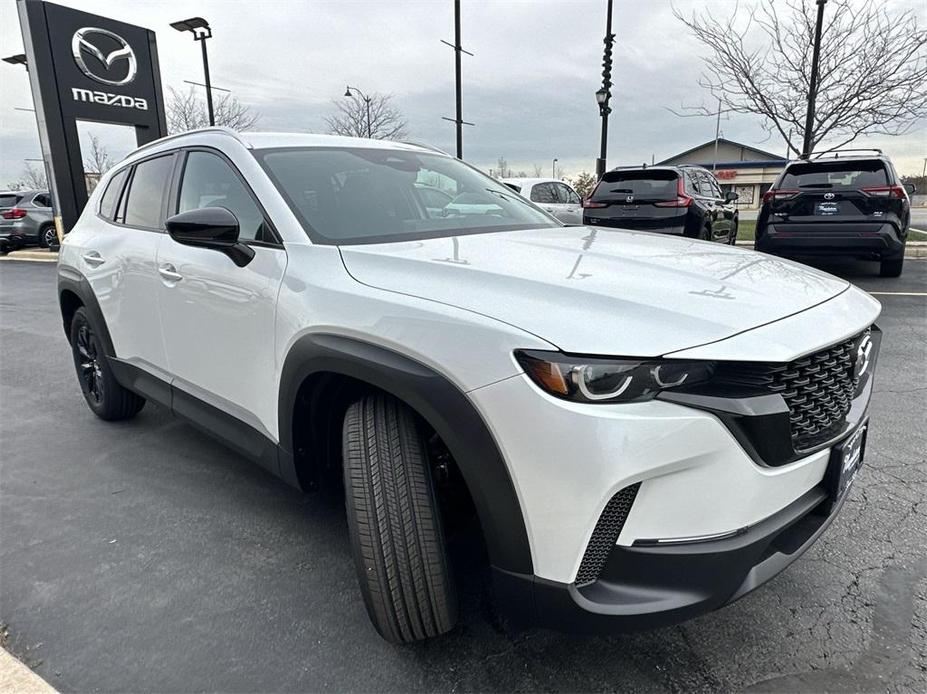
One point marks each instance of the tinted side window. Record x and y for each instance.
(145, 201)
(693, 185)
(543, 192)
(41, 200)
(712, 186)
(572, 197)
(111, 195)
(209, 182)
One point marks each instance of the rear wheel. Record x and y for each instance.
(104, 395)
(47, 235)
(394, 522)
(891, 268)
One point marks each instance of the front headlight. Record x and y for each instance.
(603, 380)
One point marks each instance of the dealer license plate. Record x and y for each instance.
(846, 460)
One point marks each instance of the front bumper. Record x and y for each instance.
(880, 240)
(652, 586)
(712, 515)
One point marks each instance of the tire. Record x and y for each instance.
(104, 395)
(394, 523)
(891, 268)
(47, 235)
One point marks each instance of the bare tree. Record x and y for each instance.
(386, 121)
(503, 170)
(32, 178)
(873, 67)
(98, 161)
(538, 170)
(187, 111)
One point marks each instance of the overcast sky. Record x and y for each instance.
(529, 88)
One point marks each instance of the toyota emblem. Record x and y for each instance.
(82, 45)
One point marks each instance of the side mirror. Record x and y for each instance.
(210, 227)
(911, 188)
(731, 196)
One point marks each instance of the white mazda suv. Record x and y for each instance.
(644, 428)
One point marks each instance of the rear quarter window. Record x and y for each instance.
(648, 185)
(851, 175)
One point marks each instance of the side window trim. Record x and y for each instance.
(176, 185)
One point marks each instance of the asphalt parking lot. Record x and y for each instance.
(143, 556)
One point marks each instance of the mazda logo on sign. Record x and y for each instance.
(83, 45)
(828, 196)
(863, 355)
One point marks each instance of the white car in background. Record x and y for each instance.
(550, 195)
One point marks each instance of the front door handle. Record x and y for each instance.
(169, 273)
(93, 259)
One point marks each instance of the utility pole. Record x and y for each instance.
(458, 49)
(714, 163)
(813, 82)
(604, 94)
(553, 168)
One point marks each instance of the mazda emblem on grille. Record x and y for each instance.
(863, 355)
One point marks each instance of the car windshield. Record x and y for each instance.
(643, 185)
(358, 195)
(835, 175)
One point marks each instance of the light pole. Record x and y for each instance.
(347, 93)
(813, 82)
(18, 59)
(604, 94)
(553, 168)
(201, 31)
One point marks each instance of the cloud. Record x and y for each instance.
(529, 88)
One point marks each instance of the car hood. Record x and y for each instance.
(594, 291)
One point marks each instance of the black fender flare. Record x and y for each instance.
(446, 409)
(72, 281)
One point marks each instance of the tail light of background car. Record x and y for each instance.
(14, 213)
(779, 194)
(682, 200)
(885, 192)
(588, 202)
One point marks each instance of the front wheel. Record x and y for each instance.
(394, 523)
(104, 395)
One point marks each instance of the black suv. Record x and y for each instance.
(684, 200)
(839, 203)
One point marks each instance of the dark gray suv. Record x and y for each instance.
(26, 218)
(838, 204)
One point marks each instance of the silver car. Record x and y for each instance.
(26, 218)
(555, 197)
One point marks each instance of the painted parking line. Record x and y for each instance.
(898, 293)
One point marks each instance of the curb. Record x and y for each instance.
(15, 676)
(34, 256)
(913, 249)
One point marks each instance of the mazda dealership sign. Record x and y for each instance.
(90, 68)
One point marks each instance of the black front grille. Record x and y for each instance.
(818, 389)
(605, 535)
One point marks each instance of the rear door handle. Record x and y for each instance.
(93, 259)
(169, 273)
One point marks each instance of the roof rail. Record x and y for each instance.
(215, 129)
(423, 145)
(835, 153)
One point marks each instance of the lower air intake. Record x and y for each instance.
(606, 533)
